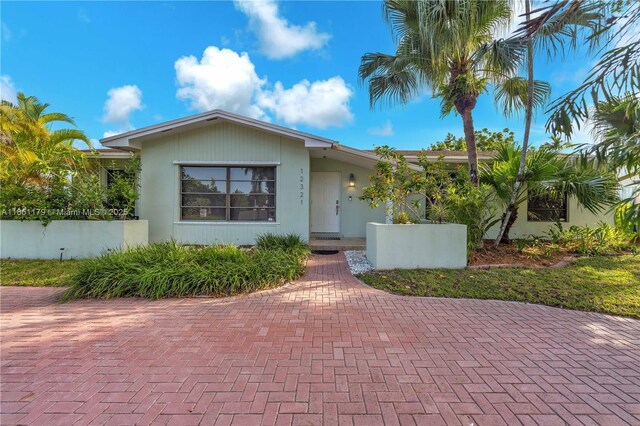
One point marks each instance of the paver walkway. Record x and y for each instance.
(326, 349)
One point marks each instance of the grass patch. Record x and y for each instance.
(172, 270)
(38, 273)
(608, 285)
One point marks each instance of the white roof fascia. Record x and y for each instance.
(367, 155)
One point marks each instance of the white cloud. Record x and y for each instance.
(320, 104)
(110, 133)
(121, 102)
(221, 79)
(278, 38)
(224, 79)
(584, 135)
(385, 130)
(7, 89)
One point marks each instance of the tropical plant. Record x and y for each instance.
(172, 270)
(486, 140)
(44, 177)
(548, 172)
(616, 124)
(123, 190)
(604, 239)
(614, 77)
(409, 192)
(450, 47)
(33, 153)
(472, 206)
(429, 190)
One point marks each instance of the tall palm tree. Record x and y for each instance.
(548, 172)
(554, 35)
(31, 152)
(448, 46)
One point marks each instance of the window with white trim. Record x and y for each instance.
(547, 208)
(221, 193)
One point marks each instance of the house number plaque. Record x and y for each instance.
(301, 187)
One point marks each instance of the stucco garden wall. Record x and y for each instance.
(79, 238)
(417, 246)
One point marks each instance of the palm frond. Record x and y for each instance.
(511, 95)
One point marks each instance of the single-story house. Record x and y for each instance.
(221, 177)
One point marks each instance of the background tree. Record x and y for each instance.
(449, 46)
(486, 140)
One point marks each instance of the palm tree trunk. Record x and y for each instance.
(503, 234)
(470, 139)
(512, 219)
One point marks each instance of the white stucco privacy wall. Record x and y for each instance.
(417, 246)
(222, 144)
(78, 238)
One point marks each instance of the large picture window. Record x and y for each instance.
(245, 194)
(547, 208)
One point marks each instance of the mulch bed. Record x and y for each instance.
(508, 255)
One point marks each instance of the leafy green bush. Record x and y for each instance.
(292, 242)
(79, 197)
(172, 270)
(471, 206)
(601, 240)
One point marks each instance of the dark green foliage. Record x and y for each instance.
(603, 239)
(172, 270)
(82, 197)
(291, 242)
(486, 140)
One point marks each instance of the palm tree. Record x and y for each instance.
(548, 172)
(448, 46)
(616, 124)
(555, 28)
(31, 152)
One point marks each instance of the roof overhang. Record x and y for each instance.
(108, 153)
(132, 141)
(346, 154)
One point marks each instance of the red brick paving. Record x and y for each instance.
(326, 349)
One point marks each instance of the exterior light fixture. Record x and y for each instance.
(352, 181)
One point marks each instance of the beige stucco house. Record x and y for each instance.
(220, 177)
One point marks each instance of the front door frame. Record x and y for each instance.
(311, 204)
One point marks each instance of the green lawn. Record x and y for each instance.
(38, 273)
(599, 284)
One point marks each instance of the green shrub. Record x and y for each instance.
(601, 240)
(172, 270)
(471, 206)
(290, 242)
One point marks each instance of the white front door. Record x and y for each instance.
(325, 202)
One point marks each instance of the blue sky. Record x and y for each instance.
(115, 66)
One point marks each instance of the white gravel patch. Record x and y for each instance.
(357, 260)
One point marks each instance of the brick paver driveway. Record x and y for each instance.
(326, 349)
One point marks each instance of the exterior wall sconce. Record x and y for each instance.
(352, 181)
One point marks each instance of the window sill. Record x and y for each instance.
(222, 222)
